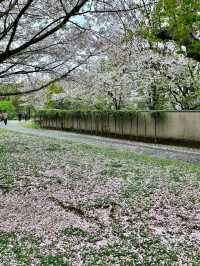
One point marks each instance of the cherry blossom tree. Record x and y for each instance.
(43, 42)
(47, 40)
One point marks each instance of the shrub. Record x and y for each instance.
(6, 105)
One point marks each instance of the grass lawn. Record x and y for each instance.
(67, 204)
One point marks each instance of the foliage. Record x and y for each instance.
(99, 114)
(102, 103)
(52, 90)
(56, 113)
(33, 125)
(67, 104)
(170, 20)
(6, 105)
(179, 21)
(16, 101)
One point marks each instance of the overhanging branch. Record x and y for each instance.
(48, 83)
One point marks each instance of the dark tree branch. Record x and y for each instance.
(16, 22)
(62, 76)
(36, 39)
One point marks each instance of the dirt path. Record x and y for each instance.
(162, 151)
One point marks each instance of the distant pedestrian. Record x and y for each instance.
(19, 116)
(5, 117)
(25, 116)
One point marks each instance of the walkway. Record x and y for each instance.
(161, 151)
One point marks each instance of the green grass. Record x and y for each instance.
(19, 249)
(23, 249)
(54, 261)
(73, 231)
(7, 180)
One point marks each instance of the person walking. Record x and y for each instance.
(5, 117)
(19, 116)
(25, 116)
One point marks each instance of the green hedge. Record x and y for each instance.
(58, 113)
